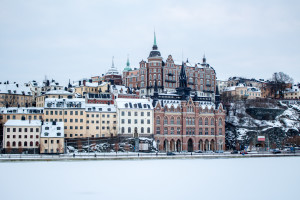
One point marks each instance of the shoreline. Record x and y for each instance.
(134, 157)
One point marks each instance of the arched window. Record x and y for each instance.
(8, 144)
(165, 120)
(172, 120)
(212, 121)
(206, 121)
(148, 130)
(178, 120)
(37, 143)
(200, 121)
(25, 144)
(158, 76)
(142, 130)
(157, 120)
(123, 130)
(193, 121)
(14, 144)
(31, 143)
(129, 130)
(220, 122)
(19, 144)
(150, 77)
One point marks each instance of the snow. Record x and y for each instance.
(64, 103)
(14, 89)
(21, 110)
(145, 103)
(58, 92)
(23, 123)
(52, 130)
(100, 107)
(246, 178)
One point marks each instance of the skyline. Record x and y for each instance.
(77, 39)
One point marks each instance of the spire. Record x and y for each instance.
(112, 65)
(128, 64)
(204, 59)
(154, 44)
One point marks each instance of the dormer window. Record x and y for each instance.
(109, 109)
(46, 134)
(58, 134)
(126, 105)
(58, 128)
(46, 128)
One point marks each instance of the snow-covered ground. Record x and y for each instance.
(253, 178)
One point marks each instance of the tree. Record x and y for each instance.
(278, 83)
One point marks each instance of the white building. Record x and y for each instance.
(134, 115)
(52, 137)
(21, 136)
(292, 93)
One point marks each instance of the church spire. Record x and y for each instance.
(128, 64)
(154, 43)
(112, 65)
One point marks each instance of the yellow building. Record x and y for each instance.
(93, 88)
(14, 95)
(292, 93)
(52, 138)
(21, 136)
(59, 94)
(242, 92)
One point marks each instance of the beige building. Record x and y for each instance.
(52, 138)
(14, 95)
(242, 92)
(21, 136)
(101, 120)
(292, 93)
(83, 88)
(59, 94)
(69, 111)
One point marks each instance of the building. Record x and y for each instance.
(21, 136)
(69, 111)
(292, 93)
(135, 116)
(222, 85)
(52, 138)
(101, 98)
(81, 88)
(15, 95)
(59, 94)
(113, 76)
(242, 91)
(201, 77)
(185, 122)
(101, 120)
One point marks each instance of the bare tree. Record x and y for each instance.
(278, 83)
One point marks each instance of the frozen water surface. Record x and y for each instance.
(248, 178)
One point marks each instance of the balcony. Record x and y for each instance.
(170, 81)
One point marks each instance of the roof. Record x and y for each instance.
(23, 123)
(118, 88)
(100, 108)
(22, 110)
(53, 130)
(134, 103)
(64, 103)
(59, 92)
(14, 89)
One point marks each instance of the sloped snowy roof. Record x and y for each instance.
(53, 130)
(64, 103)
(23, 123)
(22, 110)
(59, 92)
(14, 89)
(133, 103)
(118, 88)
(100, 108)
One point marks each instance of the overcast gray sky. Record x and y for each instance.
(77, 39)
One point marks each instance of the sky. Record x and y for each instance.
(77, 38)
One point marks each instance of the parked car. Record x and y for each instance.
(235, 152)
(219, 151)
(199, 151)
(171, 154)
(275, 151)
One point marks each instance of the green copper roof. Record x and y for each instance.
(154, 39)
(127, 68)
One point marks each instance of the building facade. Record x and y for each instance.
(52, 138)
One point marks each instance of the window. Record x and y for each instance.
(206, 131)
(123, 121)
(123, 113)
(37, 130)
(25, 144)
(14, 129)
(212, 131)
(178, 120)
(148, 130)
(165, 130)
(165, 121)
(135, 121)
(157, 120)
(129, 130)
(220, 122)
(212, 122)
(142, 130)
(129, 121)
(200, 121)
(8, 129)
(200, 131)
(142, 121)
(148, 121)
(172, 120)
(8, 144)
(220, 131)
(206, 121)
(142, 114)
(178, 131)
(129, 113)
(172, 130)
(20, 129)
(31, 143)
(157, 130)
(148, 114)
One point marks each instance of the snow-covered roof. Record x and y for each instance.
(64, 103)
(59, 92)
(23, 123)
(133, 103)
(295, 88)
(22, 110)
(52, 129)
(100, 108)
(119, 89)
(14, 89)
